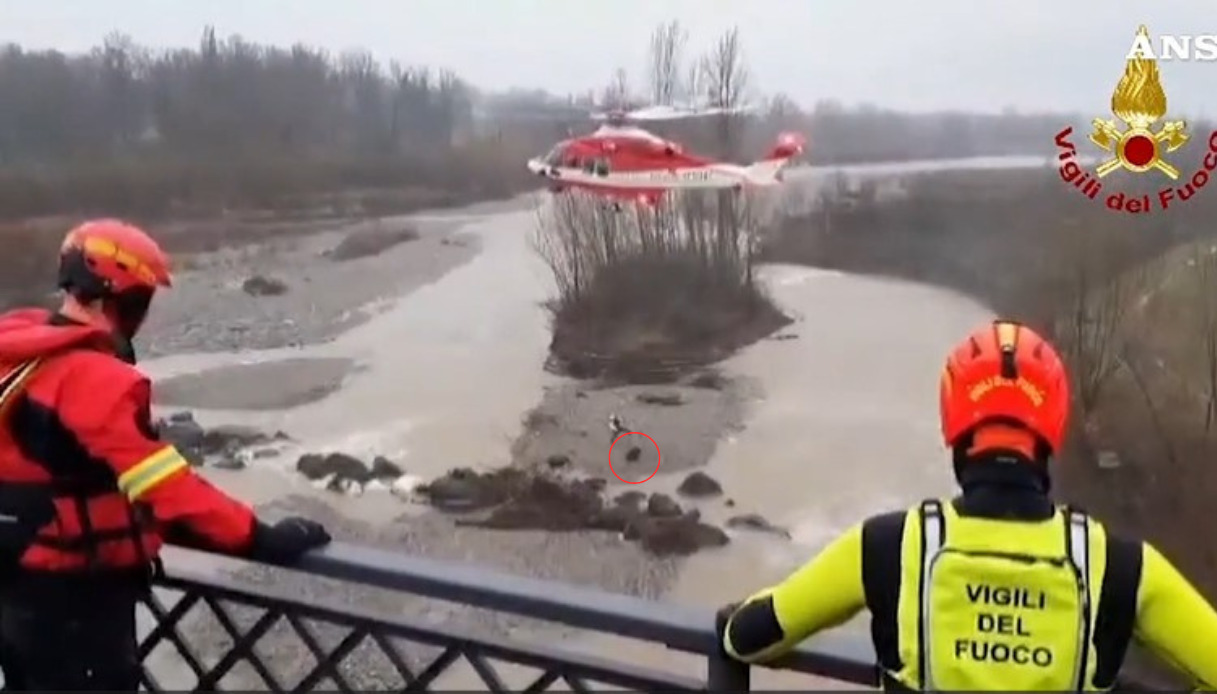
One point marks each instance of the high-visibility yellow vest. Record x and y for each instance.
(989, 604)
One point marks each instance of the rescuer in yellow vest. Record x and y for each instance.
(998, 588)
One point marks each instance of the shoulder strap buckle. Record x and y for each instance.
(1077, 540)
(933, 529)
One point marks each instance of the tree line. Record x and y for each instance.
(228, 123)
(221, 98)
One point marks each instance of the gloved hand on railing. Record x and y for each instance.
(288, 540)
(721, 617)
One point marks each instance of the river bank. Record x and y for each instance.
(814, 429)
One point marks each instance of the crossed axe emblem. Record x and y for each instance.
(1108, 137)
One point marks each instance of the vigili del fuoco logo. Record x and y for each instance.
(1138, 143)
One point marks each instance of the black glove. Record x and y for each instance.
(721, 617)
(286, 541)
(724, 613)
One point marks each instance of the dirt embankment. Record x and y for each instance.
(249, 285)
(299, 290)
(244, 249)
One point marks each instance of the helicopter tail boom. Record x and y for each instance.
(767, 170)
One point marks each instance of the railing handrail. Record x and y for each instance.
(839, 655)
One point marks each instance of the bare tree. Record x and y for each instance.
(1203, 263)
(1127, 359)
(666, 60)
(726, 81)
(617, 93)
(694, 89)
(726, 77)
(1100, 297)
(226, 96)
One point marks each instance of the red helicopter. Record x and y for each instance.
(625, 162)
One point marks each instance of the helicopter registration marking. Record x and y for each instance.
(688, 175)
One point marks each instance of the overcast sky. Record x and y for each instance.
(922, 55)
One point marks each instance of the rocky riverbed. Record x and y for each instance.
(499, 464)
(554, 497)
(307, 287)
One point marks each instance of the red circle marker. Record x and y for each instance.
(658, 456)
(1140, 150)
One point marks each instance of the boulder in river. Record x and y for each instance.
(385, 469)
(699, 485)
(680, 536)
(464, 489)
(663, 506)
(515, 499)
(187, 435)
(541, 502)
(261, 285)
(758, 523)
(197, 444)
(342, 485)
(632, 499)
(231, 462)
(709, 380)
(370, 241)
(335, 466)
(665, 399)
(230, 438)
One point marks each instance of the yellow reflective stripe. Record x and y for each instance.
(108, 249)
(150, 472)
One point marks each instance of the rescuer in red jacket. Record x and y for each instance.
(88, 492)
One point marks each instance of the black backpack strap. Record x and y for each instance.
(1117, 608)
(882, 575)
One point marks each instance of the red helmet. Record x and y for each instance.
(115, 262)
(1005, 372)
(105, 257)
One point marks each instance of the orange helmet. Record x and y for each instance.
(117, 263)
(106, 257)
(1005, 372)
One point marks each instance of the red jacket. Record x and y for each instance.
(74, 423)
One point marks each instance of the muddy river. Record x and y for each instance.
(843, 422)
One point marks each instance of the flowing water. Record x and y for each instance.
(845, 424)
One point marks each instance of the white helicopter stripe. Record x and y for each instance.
(715, 176)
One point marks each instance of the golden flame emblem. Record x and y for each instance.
(1139, 101)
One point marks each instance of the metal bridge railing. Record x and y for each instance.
(317, 642)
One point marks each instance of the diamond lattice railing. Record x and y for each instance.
(217, 635)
